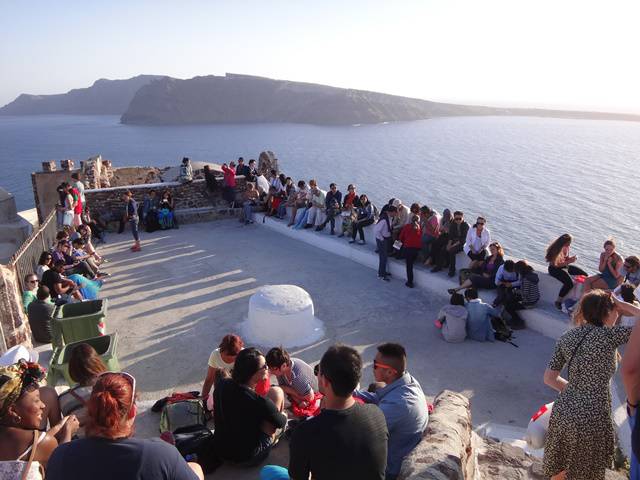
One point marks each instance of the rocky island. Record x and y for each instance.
(234, 98)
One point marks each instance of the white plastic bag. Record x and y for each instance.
(538, 426)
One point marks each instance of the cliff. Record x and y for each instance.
(104, 97)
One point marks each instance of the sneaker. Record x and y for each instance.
(135, 249)
(103, 274)
(558, 305)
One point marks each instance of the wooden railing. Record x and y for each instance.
(25, 260)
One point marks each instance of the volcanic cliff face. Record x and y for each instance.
(247, 99)
(104, 97)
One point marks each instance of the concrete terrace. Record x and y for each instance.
(172, 302)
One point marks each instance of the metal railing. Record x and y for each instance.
(25, 260)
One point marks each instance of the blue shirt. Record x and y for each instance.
(405, 410)
(479, 320)
(503, 276)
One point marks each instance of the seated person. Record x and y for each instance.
(85, 367)
(249, 201)
(452, 319)
(62, 289)
(79, 254)
(506, 280)
(484, 275)
(631, 270)
(295, 377)
(222, 358)
(347, 440)
(402, 401)
(71, 265)
(44, 263)
(40, 315)
(22, 413)
(109, 450)
(318, 197)
(479, 326)
(86, 235)
(95, 223)
(365, 216)
(186, 171)
(626, 293)
(332, 203)
(610, 267)
(246, 423)
(526, 295)
(299, 201)
(29, 291)
(476, 243)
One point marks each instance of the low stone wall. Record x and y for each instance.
(185, 195)
(445, 451)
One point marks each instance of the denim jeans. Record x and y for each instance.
(382, 256)
(248, 211)
(133, 221)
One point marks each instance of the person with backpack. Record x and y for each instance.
(580, 442)
(630, 372)
(479, 325)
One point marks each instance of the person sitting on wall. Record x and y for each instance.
(229, 189)
(29, 290)
(457, 235)
(295, 377)
(347, 440)
(402, 401)
(452, 319)
(477, 241)
(79, 254)
(252, 173)
(210, 179)
(249, 201)
(166, 217)
(631, 270)
(318, 197)
(63, 253)
(186, 171)
(245, 422)
(479, 325)
(437, 254)
(276, 187)
(149, 207)
(526, 295)
(95, 223)
(45, 262)
(62, 289)
(40, 315)
(431, 232)
(289, 198)
(242, 169)
(507, 278)
(402, 218)
(332, 208)
(350, 203)
(365, 216)
(484, 275)
(299, 201)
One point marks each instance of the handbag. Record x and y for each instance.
(21, 470)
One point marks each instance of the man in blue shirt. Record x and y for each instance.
(402, 401)
(479, 320)
(506, 279)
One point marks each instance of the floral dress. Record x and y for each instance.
(580, 439)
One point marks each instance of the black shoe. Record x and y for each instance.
(319, 228)
(436, 269)
(451, 291)
(452, 273)
(352, 241)
(332, 232)
(389, 275)
(308, 225)
(385, 278)
(410, 285)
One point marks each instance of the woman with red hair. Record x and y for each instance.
(109, 451)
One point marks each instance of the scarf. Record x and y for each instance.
(14, 380)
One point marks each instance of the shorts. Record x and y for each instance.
(609, 280)
(67, 218)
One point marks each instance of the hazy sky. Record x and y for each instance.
(560, 53)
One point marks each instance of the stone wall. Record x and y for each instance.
(445, 451)
(14, 328)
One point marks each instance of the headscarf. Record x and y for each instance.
(15, 380)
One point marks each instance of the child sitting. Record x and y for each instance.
(452, 319)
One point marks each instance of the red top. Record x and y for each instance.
(229, 176)
(348, 200)
(77, 209)
(411, 237)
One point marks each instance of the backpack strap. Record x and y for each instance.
(577, 347)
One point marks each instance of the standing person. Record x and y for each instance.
(79, 186)
(245, 422)
(411, 238)
(365, 216)
(77, 205)
(560, 265)
(68, 206)
(630, 372)
(332, 202)
(610, 268)
(382, 232)
(458, 231)
(229, 190)
(580, 441)
(477, 242)
(241, 169)
(131, 215)
(347, 440)
(109, 449)
(250, 200)
(402, 401)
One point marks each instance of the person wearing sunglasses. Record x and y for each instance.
(631, 270)
(402, 401)
(30, 288)
(246, 423)
(477, 243)
(109, 450)
(44, 263)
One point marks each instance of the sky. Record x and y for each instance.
(581, 55)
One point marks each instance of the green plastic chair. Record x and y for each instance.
(73, 322)
(105, 345)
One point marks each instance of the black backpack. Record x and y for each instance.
(502, 331)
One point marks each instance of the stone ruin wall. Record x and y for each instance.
(14, 327)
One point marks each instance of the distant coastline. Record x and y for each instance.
(242, 99)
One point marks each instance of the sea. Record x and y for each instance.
(532, 178)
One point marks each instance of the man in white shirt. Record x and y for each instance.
(318, 197)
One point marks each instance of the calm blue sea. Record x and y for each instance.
(533, 178)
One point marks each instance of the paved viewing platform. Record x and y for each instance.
(172, 302)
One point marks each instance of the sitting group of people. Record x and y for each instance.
(342, 432)
(70, 271)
